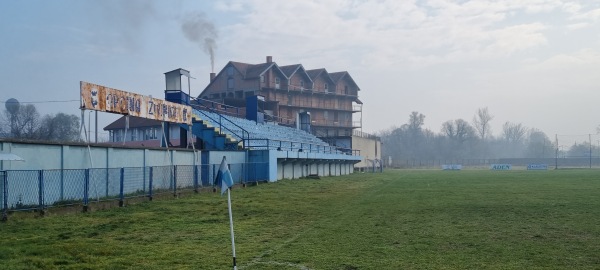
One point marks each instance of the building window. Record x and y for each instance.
(277, 82)
(230, 71)
(326, 87)
(346, 90)
(151, 134)
(134, 134)
(230, 83)
(302, 85)
(117, 135)
(262, 78)
(289, 100)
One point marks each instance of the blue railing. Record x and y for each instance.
(283, 145)
(221, 126)
(26, 190)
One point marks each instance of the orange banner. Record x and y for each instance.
(106, 99)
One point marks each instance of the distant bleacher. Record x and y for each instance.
(264, 136)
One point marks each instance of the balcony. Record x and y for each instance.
(301, 89)
(318, 105)
(331, 123)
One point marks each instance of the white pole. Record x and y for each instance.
(231, 227)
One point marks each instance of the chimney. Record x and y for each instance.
(269, 59)
(212, 76)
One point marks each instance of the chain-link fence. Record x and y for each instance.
(24, 190)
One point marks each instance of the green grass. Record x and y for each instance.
(395, 220)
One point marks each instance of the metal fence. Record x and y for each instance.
(554, 163)
(25, 190)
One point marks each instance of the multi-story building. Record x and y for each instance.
(331, 99)
(287, 92)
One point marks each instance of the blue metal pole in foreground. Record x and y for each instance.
(86, 188)
(5, 197)
(121, 188)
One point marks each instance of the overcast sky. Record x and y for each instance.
(535, 62)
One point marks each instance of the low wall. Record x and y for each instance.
(50, 156)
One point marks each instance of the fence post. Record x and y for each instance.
(175, 181)
(121, 188)
(150, 183)
(107, 181)
(244, 174)
(86, 190)
(213, 179)
(5, 197)
(196, 178)
(41, 191)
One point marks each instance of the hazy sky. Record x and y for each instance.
(534, 62)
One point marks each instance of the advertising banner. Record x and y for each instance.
(500, 167)
(105, 99)
(452, 167)
(537, 167)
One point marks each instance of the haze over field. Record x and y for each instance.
(533, 62)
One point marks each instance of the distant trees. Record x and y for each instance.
(26, 123)
(513, 133)
(459, 139)
(59, 127)
(458, 131)
(539, 145)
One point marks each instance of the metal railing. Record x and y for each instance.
(243, 137)
(282, 145)
(26, 190)
(220, 108)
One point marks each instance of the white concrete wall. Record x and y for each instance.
(369, 149)
(40, 156)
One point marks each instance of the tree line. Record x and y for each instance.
(26, 123)
(462, 139)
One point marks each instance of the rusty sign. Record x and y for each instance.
(106, 99)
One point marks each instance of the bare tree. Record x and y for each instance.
(458, 130)
(481, 122)
(26, 122)
(513, 133)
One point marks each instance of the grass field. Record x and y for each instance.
(396, 220)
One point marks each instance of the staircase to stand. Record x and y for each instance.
(215, 137)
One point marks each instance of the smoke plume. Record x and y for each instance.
(198, 29)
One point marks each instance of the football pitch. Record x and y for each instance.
(399, 219)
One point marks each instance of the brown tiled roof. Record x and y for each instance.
(134, 122)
